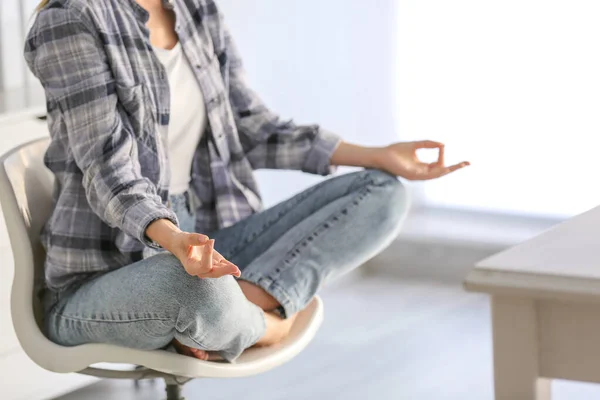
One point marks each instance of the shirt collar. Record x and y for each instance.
(143, 15)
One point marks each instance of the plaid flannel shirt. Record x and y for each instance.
(108, 114)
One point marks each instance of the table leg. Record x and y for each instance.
(516, 350)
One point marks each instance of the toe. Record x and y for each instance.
(200, 354)
(190, 352)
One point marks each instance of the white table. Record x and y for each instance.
(545, 299)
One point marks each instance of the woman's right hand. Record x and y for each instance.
(195, 251)
(199, 258)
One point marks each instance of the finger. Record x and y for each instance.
(428, 144)
(207, 260)
(196, 239)
(231, 266)
(195, 264)
(439, 172)
(224, 261)
(441, 156)
(423, 172)
(217, 257)
(458, 166)
(221, 270)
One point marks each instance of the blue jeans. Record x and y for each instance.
(289, 250)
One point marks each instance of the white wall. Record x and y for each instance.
(330, 62)
(512, 86)
(18, 88)
(11, 33)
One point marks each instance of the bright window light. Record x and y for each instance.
(514, 87)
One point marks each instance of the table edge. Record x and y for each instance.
(496, 282)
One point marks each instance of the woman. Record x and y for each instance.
(155, 134)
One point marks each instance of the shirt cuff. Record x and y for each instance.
(139, 216)
(318, 160)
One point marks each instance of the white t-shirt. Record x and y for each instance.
(188, 119)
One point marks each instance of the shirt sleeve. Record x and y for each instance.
(81, 91)
(269, 141)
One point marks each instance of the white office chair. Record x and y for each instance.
(26, 188)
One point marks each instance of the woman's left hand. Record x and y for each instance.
(401, 159)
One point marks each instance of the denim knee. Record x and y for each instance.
(214, 315)
(392, 194)
(394, 189)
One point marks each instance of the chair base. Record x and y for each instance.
(174, 392)
(173, 383)
(174, 386)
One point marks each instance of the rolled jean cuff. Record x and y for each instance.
(269, 285)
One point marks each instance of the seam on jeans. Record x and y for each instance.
(361, 176)
(254, 235)
(198, 342)
(251, 238)
(273, 288)
(282, 290)
(112, 321)
(326, 224)
(255, 278)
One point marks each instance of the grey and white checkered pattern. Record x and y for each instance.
(108, 107)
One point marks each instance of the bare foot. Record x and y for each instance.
(258, 296)
(191, 352)
(277, 329)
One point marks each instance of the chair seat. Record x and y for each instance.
(26, 196)
(251, 362)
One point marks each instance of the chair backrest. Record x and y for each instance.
(26, 196)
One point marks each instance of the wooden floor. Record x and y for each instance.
(382, 339)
